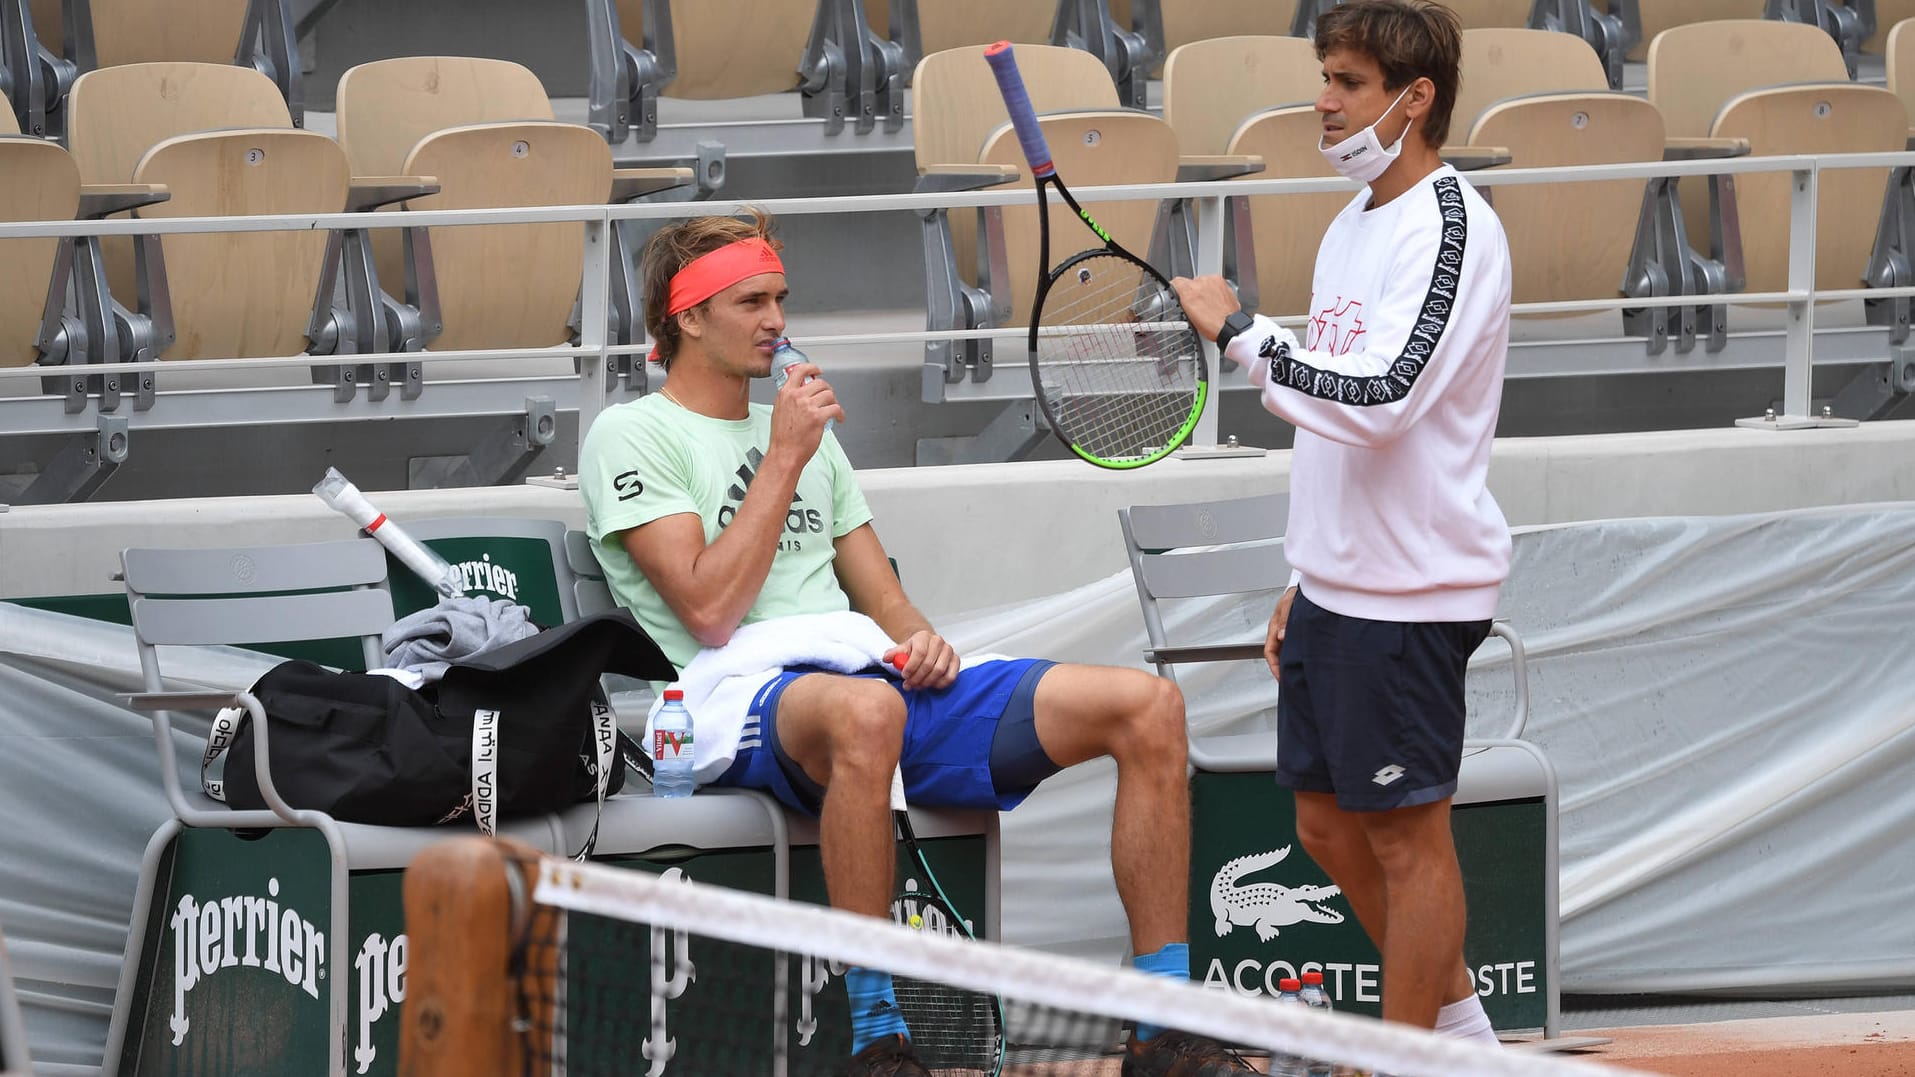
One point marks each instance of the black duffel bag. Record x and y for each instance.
(522, 729)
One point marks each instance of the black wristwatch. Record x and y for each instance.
(1236, 323)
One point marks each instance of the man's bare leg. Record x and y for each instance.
(846, 732)
(1424, 921)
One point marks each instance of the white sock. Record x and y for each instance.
(1464, 1019)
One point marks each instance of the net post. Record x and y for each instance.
(467, 904)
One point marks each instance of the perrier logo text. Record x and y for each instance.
(219, 933)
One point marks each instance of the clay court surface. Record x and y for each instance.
(1847, 1044)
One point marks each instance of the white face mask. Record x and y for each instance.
(1361, 157)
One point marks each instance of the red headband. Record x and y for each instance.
(708, 274)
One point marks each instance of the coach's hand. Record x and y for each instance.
(1279, 621)
(801, 409)
(1207, 301)
(928, 661)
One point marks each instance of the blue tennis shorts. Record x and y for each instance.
(1372, 711)
(971, 745)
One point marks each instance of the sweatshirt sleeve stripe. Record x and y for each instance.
(1431, 320)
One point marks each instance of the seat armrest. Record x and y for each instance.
(950, 179)
(98, 200)
(368, 193)
(202, 700)
(1198, 168)
(1703, 149)
(1214, 652)
(630, 183)
(1471, 158)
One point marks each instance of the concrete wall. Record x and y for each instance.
(973, 537)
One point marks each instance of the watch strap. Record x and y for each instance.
(1237, 322)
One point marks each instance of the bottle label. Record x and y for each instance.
(670, 745)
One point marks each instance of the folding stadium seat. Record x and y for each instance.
(84, 35)
(1500, 62)
(924, 27)
(964, 140)
(38, 182)
(221, 140)
(1888, 14)
(484, 129)
(1784, 88)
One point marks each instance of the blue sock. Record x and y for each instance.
(1172, 961)
(874, 1009)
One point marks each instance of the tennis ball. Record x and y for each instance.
(917, 922)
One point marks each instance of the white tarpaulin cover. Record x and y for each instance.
(1729, 703)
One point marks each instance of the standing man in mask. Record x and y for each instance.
(1399, 550)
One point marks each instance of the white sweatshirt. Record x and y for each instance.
(1394, 394)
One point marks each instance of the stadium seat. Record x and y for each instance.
(1783, 87)
(1574, 240)
(485, 127)
(38, 182)
(1888, 15)
(220, 138)
(1254, 97)
(84, 35)
(1502, 62)
(1478, 14)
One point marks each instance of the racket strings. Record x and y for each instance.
(1121, 382)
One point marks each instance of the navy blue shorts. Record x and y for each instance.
(1372, 711)
(971, 745)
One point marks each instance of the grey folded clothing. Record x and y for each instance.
(456, 629)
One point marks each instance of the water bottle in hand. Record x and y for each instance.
(672, 748)
(783, 357)
(1315, 997)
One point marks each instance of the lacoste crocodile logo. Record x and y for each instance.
(1266, 906)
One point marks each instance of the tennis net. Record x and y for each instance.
(527, 965)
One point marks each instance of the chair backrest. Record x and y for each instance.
(253, 595)
(948, 24)
(520, 560)
(1888, 15)
(1203, 548)
(1695, 69)
(731, 48)
(1092, 149)
(387, 106)
(1187, 22)
(140, 31)
(1898, 56)
(1816, 119)
(244, 294)
(509, 285)
(1571, 241)
(590, 592)
(38, 182)
(116, 114)
(1475, 14)
(1287, 229)
(1503, 62)
(47, 24)
(1212, 86)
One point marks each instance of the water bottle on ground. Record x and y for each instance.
(672, 748)
(1315, 997)
(1284, 1064)
(783, 357)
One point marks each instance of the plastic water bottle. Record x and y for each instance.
(672, 748)
(1315, 997)
(783, 358)
(1289, 993)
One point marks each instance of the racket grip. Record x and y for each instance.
(1018, 104)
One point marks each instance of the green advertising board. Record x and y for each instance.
(1262, 911)
(510, 567)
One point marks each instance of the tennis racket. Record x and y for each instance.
(954, 1032)
(1116, 367)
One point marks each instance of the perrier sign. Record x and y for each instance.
(1262, 911)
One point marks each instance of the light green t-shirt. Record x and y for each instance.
(650, 458)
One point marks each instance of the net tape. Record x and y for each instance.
(1051, 979)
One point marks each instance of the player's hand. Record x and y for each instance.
(925, 660)
(801, 409)
(1279, 621)
(1207, 301)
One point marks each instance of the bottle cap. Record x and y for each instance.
(1289, 985)
(674, 695)
(1313, 978)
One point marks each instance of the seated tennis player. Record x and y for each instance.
(710, 513)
